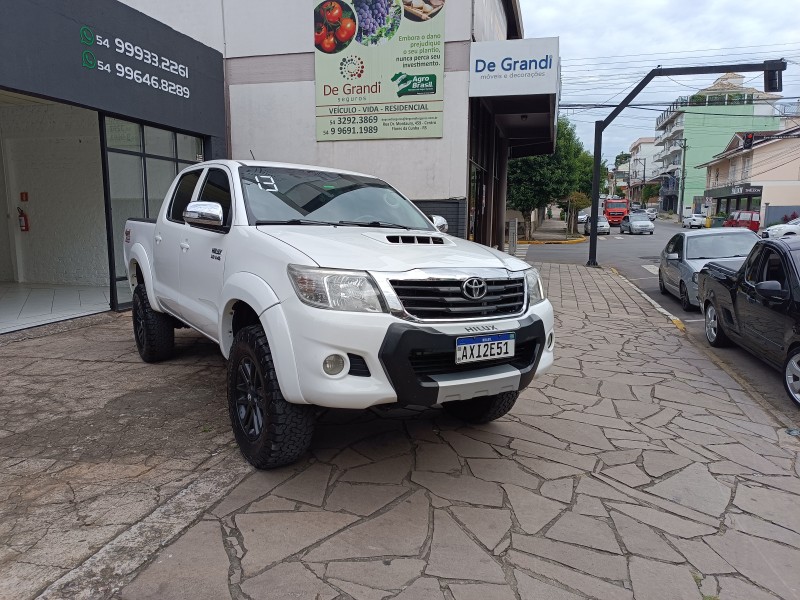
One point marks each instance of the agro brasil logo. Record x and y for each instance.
(414, 85)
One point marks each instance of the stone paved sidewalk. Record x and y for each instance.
(636, 469)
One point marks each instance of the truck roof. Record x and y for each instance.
(234, 164)
(791, 242)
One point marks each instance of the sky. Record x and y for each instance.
(608, 47)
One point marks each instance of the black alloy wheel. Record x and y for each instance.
(250, 402)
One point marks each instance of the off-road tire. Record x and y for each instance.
(285, 429)
(483, 409)
(153, 331)
(715, 334)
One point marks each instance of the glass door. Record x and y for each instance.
(139, 164)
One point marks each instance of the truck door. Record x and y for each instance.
(203, 261)
(167, 243)
(768, 320)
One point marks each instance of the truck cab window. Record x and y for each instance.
(183, 195)
(751, 267)
(217, 188)
(772, 269)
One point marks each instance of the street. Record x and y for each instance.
(636, 258)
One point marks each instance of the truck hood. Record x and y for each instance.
(696, 264)
(393, 250)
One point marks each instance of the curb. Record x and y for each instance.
(675, 320)
(575, 241)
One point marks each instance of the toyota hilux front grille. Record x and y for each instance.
(446, 299)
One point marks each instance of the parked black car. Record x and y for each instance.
(757, 305)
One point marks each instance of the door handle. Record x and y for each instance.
(158, 239)
(185, 245)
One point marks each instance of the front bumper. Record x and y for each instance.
(390, 360)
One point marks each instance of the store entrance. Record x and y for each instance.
(53, 252)
(61, 240)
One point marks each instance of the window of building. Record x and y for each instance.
(746, 164)
(733, 171)
(142, 161)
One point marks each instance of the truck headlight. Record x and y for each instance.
(534, 284)
(334, 289)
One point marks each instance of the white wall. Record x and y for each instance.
(276, 122)
(490, 23)
(199, 19)
(266, 27)
(53, 153)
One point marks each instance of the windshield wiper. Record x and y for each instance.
(296, 222)
(375, 224)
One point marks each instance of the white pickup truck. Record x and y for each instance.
(330, 288)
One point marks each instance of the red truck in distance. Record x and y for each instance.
(615, 210)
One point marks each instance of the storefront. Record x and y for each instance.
(100, 105)
(395, 101)
(730, 198)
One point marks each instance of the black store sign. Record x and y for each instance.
(104, 55)
(736, 190)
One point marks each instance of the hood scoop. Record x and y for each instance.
(415, 239)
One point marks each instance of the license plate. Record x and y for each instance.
(484, 347)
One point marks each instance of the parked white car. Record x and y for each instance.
(582, 216)
(330, 288)
(777, 231)
(693, 221)
(652, 213)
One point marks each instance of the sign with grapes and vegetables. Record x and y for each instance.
(379, 69)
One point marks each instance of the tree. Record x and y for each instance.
(536, 181)
(649, 191)
(573, 204)
(621, 158)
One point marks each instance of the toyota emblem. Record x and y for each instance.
(474, 288)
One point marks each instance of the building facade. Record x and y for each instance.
(765, 177)
(125, 94)
(695, 127)
(642, 166)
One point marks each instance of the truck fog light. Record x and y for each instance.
(333, 365)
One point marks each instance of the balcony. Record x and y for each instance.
(732, 99)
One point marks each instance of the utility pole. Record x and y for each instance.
(772, 70)
(684, 147)
(643, 162)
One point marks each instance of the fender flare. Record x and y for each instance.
(138, 256)
(242, 287)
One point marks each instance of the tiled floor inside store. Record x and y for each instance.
(24, 305)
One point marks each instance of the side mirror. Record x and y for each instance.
(772, 290)
(440, 223)
(204, 214)
(673, 256)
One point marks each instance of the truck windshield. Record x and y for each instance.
(616, 205)
(720, 246)
(281, 194)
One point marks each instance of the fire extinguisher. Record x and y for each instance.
(24, 224)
